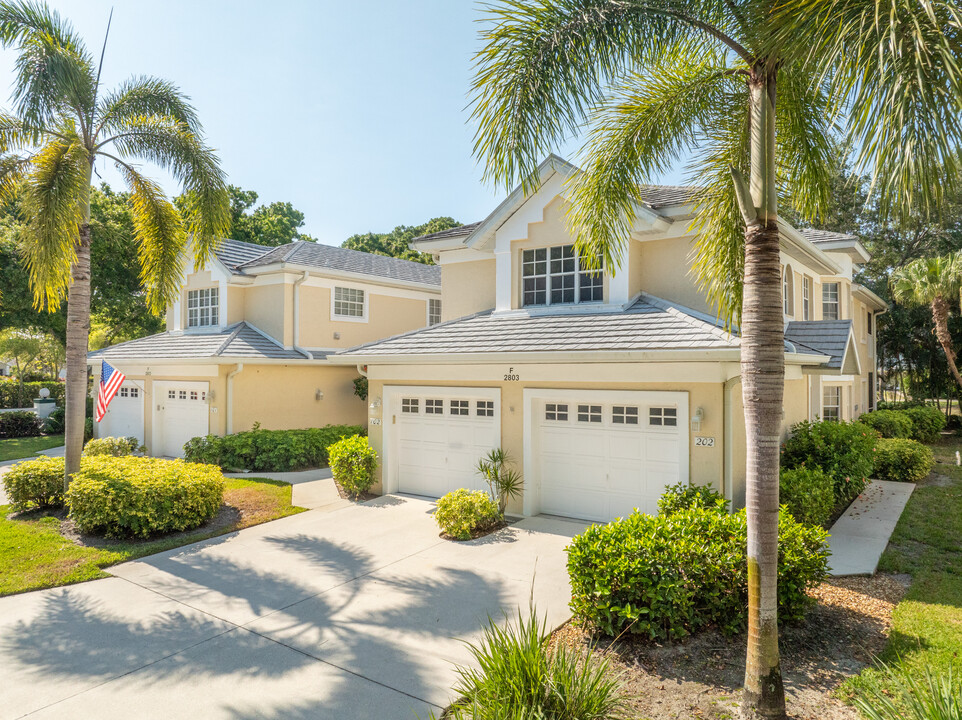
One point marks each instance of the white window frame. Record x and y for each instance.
(788, 291)
(549, 277)
(837, 406)
(350, 318)
(806, 297)
(431, 315)
(212, 306)
(837, 302)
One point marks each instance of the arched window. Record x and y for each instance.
(788, 291)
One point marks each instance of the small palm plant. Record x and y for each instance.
(503, 482)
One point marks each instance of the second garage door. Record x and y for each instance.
(440, 435)
(600, 456)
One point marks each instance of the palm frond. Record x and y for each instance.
(922, 281)
(54, 201)
(145, 96)
(161, 237)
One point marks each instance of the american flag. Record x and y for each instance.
(110, 381)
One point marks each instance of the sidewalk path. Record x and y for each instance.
(859, 537)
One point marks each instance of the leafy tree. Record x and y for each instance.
(397, 242)
(23, 347)
(752, 89)
(272, 225)
(63, 122)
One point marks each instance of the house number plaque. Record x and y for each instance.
(702, 441)
(511, 375)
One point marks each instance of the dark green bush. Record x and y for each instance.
(684, 495)
(269, 450)
(55, 422)
(667, 576)
(927, 422)
(807, 493)
(888, 423)
(136, 496)
(353, 462)
(843, 450)
(13, 396)
(35, 483)
(897, 404)
(903, 460)
(19, 423)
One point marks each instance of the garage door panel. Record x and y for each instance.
(663, 448)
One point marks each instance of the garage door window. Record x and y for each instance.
(410, 406)
(129, 392)
(663, 417)
(459, 407)
(589, 413)
(485, 408)
(555, 411)
(433, 407)
(624, 415)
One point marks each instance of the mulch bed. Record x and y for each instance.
(478, 533)
(701, 677)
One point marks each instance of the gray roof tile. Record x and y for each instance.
(460, 231)
(827, 337)
(824, 236)
(235, 252)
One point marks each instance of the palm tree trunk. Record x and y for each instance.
(78, 332)
(940, 316)
(763, 384)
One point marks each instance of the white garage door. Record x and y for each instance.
(125, 414)
(599, 457)
(181, 413)
(439, 436)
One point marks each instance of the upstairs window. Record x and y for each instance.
(559, 276)
(830, 301)
(788, 291)
(806, 298)
(434, 311)
(202, 307)
(868, 322)
(348, 302)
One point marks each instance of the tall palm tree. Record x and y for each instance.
(932, 281)
(61, 124)
(751, 92)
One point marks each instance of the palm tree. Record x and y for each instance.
(932, 281)
(751, 92)
(62, 123)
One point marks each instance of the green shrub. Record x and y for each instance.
(135, 496)
(19, 423)
(56, 422)
(670, 575)
(903, 460)
(13, 396)
(269, 450)
(463, 512)
(35, 483)
(843, 450)
(927, 422)
(360, 387)
(897, 404)
(888, 423)
(114, 447)
(684, 495)
(515, 675)
(807, 493)
(353, 463)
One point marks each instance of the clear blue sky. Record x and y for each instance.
(352, 111)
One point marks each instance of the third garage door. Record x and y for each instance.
(600, 456)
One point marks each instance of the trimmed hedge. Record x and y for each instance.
(353, 463)
(139, 497)
(903, 460)
(927, 422)
(112, 446)
(269, 450)
(12, 396)
(35, 483)
(667, 576)
(845, 451)
(807, 493)
(463, 512)
(889, 423)
(684, 495)
(19, 423)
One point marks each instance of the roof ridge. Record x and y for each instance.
(230, 338)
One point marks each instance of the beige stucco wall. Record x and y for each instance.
(282, 397)
(386, 316)
(467, 288)
(235, 304)
(664, 272)
(266, 307)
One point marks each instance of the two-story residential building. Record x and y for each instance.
(604, 386)
(250, 337)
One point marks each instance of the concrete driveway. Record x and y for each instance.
(357, 613)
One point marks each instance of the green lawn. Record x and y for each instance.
(927, 544)
(34, 555)
(15, 448)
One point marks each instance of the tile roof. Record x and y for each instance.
(328, 257)
(648, 324)
(824, 236)
(827, 337)
(656, 196)
(236, 252)
(236, 341)
(460, 231)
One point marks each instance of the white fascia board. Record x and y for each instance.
(794, 240)
(463, 255)
(208, 361)
(868, 297)
(518, 358)
(852, 248)
(292, 268)
(432, 246)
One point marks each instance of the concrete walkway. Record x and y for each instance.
(311, 489)
(859, 537)
(357, 613)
